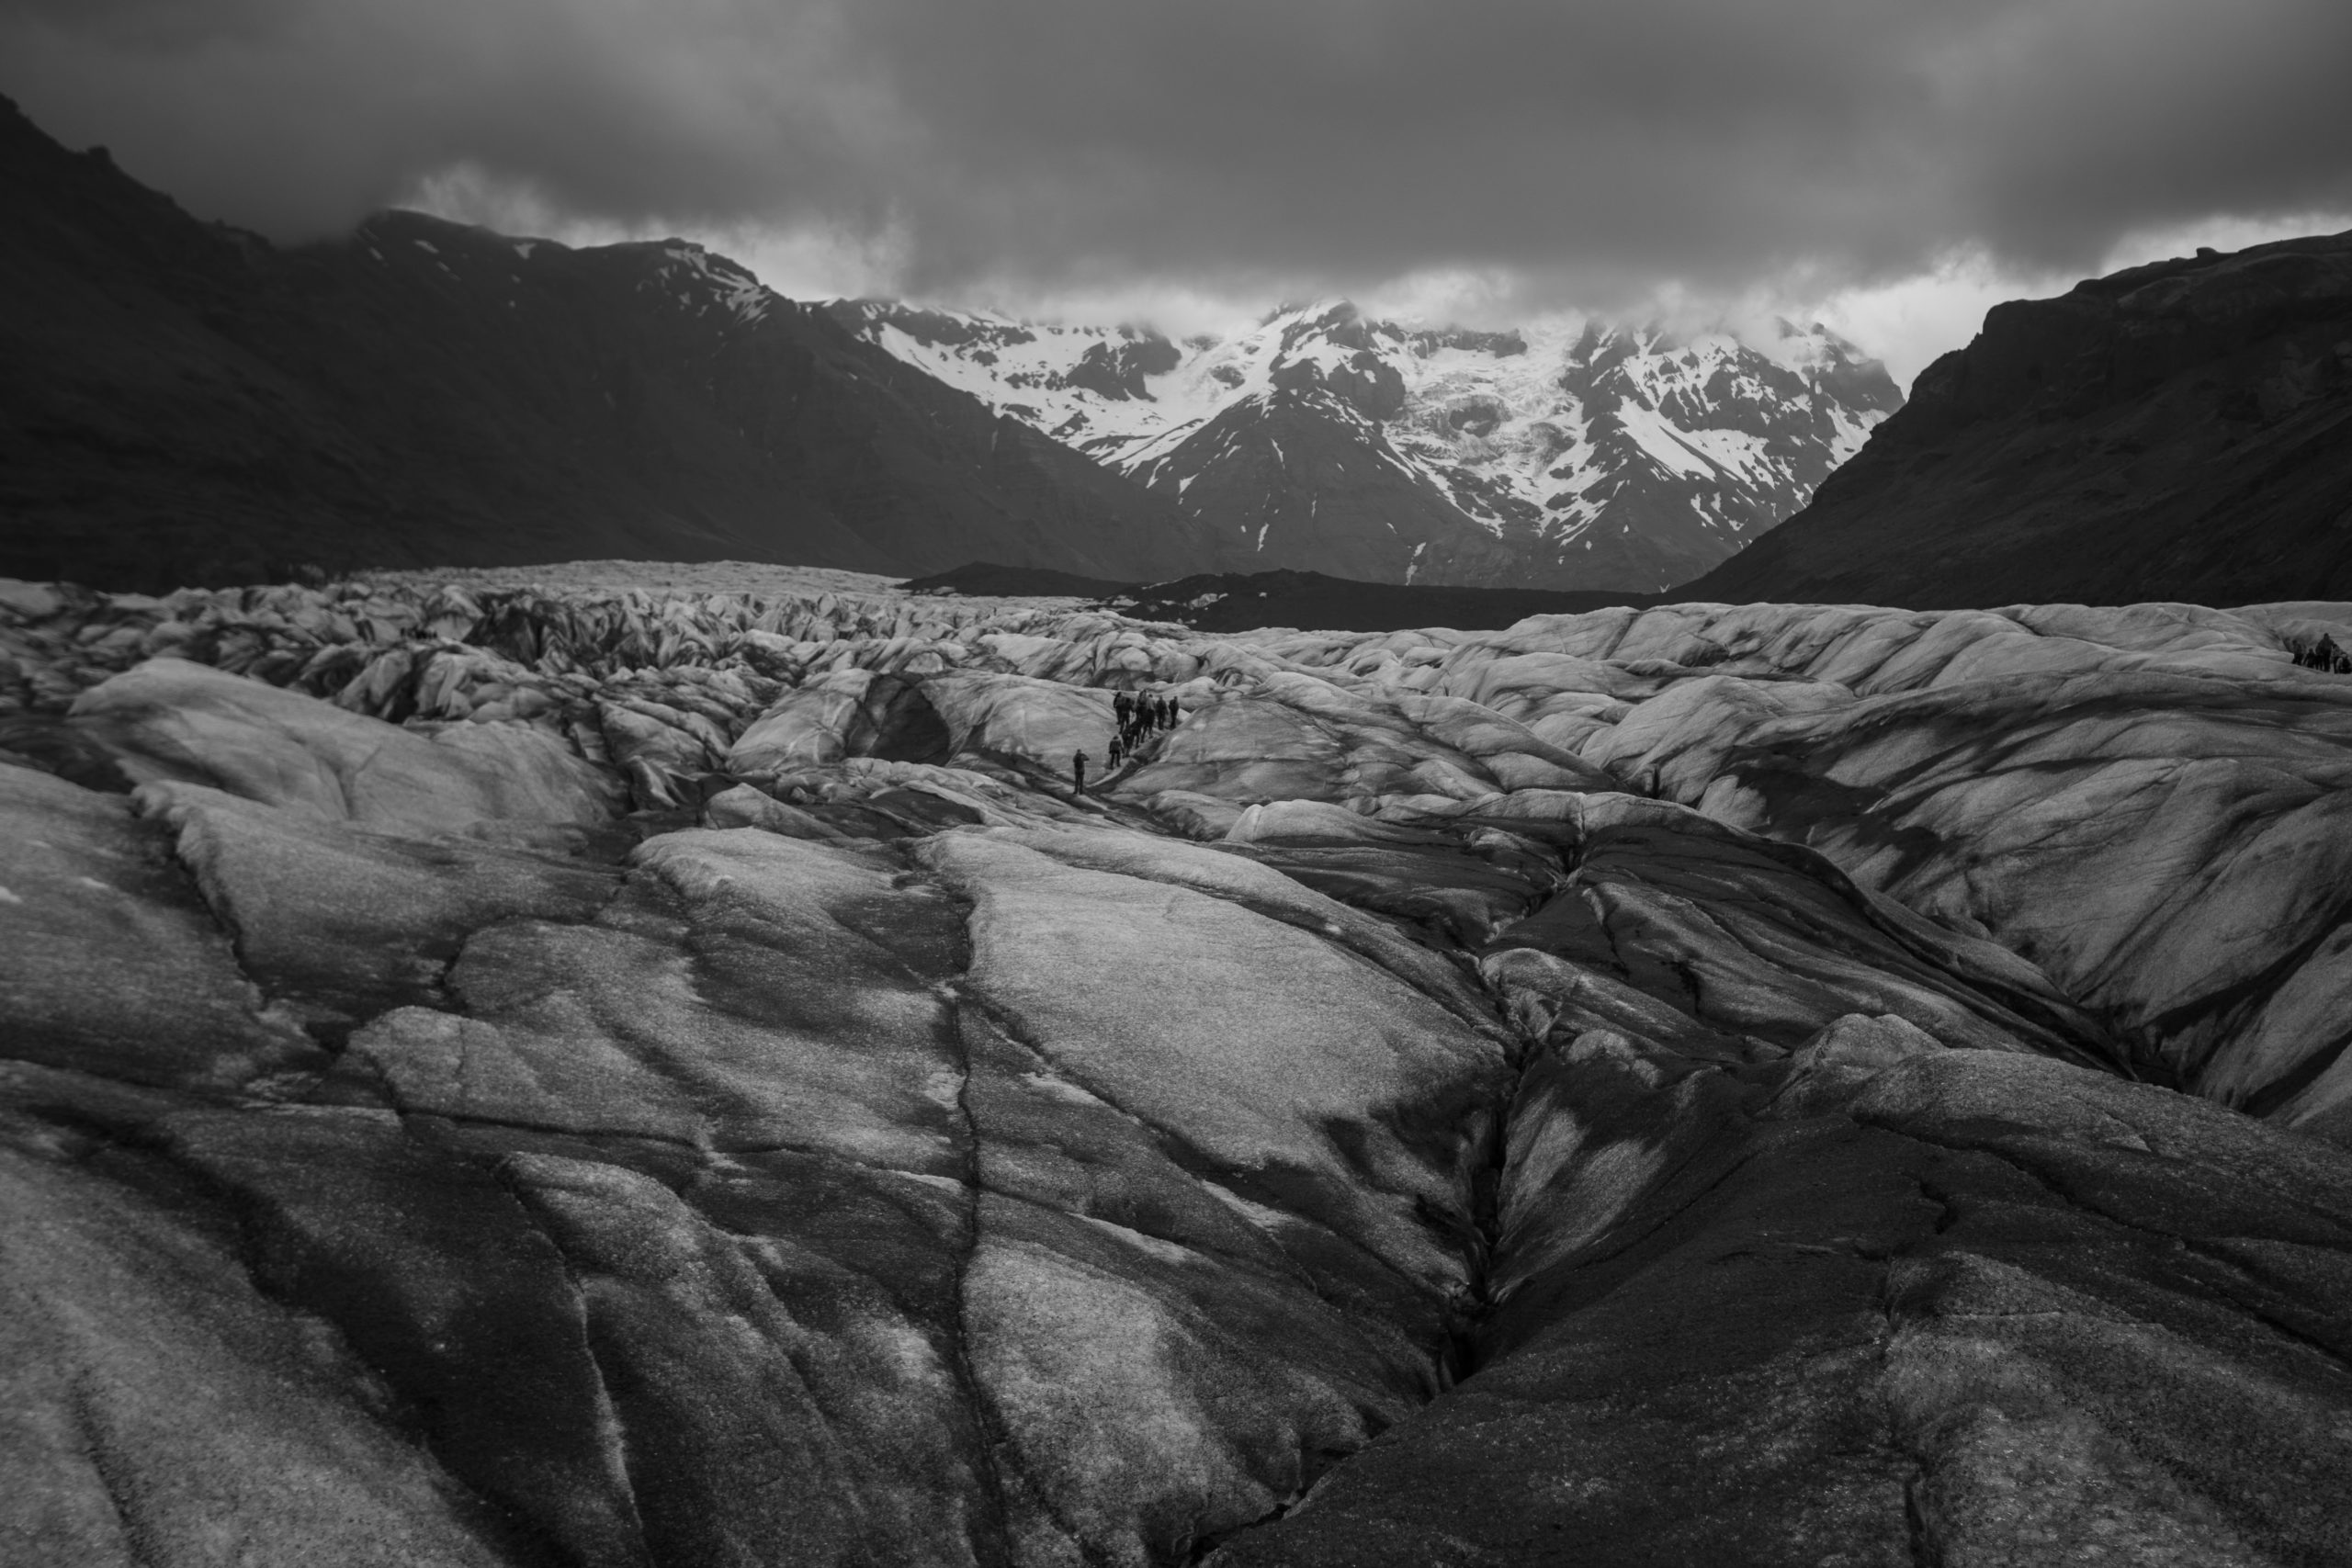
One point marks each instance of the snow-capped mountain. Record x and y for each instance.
(1568, 453)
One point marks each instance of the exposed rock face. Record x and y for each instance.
(181, 402)
(513, 1078)
(2181, 431)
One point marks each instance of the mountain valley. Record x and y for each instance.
(184, 403)
(696, 1059)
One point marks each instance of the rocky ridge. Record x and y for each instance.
(500, 1074)
(1570, 453)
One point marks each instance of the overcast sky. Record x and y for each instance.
(1891, 166)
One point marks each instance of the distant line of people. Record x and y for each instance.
(1140, 714)
(2321, 655)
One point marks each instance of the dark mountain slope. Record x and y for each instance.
(182, 402)
(2181, 431)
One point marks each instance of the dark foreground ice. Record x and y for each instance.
(597, 1079)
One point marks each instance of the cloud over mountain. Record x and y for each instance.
(1076, 142)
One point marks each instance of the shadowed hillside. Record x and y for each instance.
(181, 402)
(2181, 431)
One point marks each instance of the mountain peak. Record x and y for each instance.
(1566, 451)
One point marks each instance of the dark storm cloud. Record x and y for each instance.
(299, 115)
(1340, 140)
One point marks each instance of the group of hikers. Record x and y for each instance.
(1140, 714)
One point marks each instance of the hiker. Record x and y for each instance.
(1077, 773)
(1123, 705)
(1118, 755)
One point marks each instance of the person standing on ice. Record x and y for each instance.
(1077, 773)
